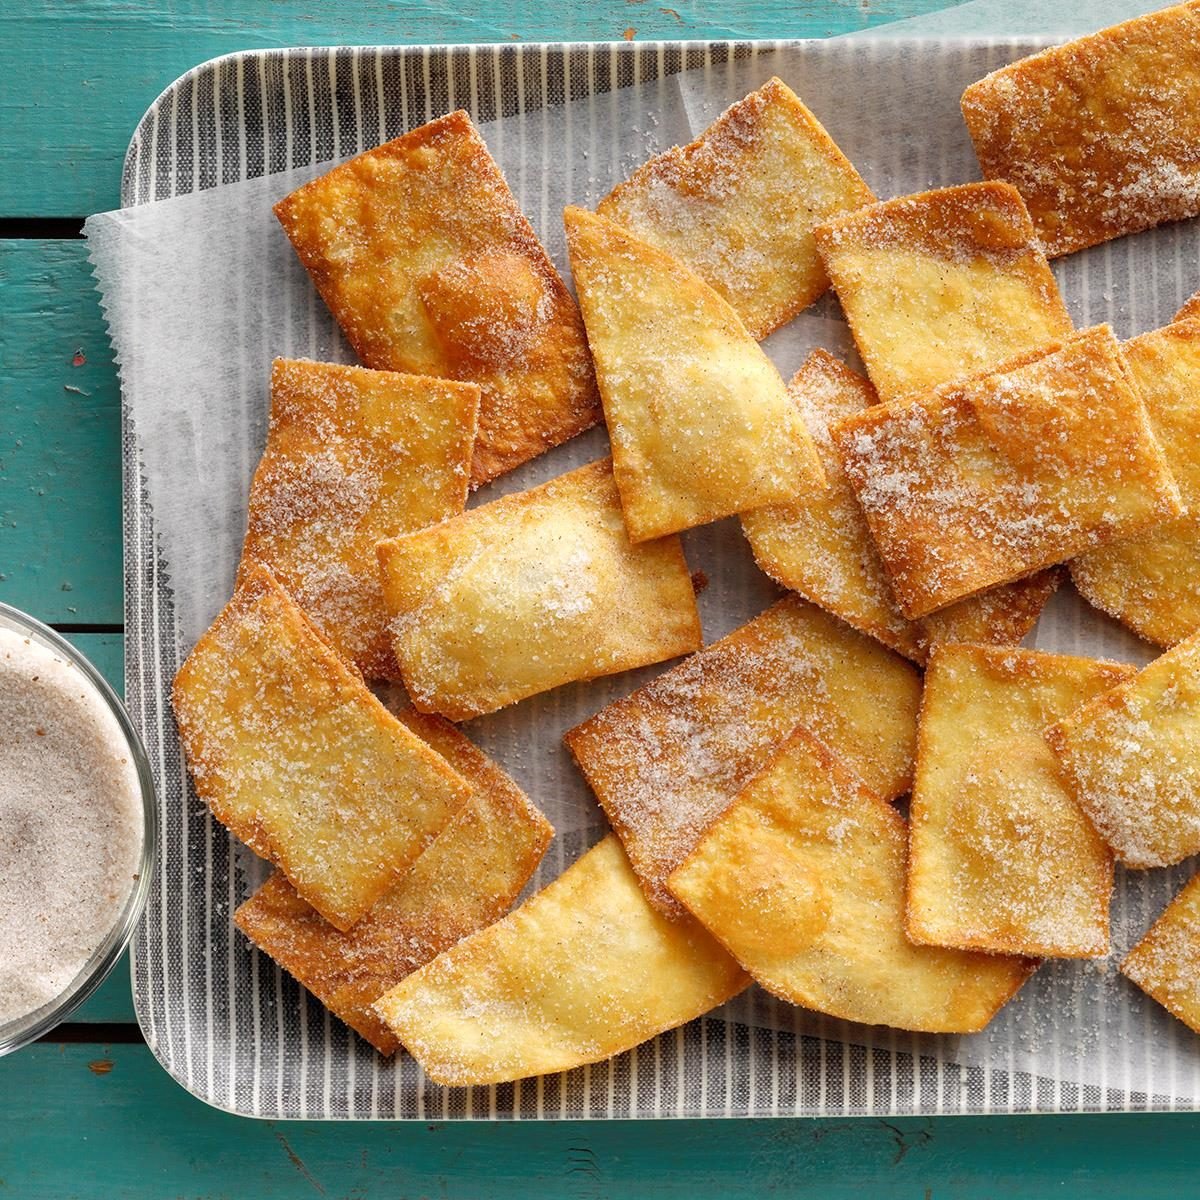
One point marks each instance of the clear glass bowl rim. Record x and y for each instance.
(23, 1030)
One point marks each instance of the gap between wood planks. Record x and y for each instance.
(108, 1034)
(41, 228)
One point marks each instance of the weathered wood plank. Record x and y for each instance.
(106, 651)
(60, 468)
(112, 1003)
(92, 67)
(106, 1120)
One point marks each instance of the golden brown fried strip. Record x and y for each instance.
(1152, 583)
(1130, 758)
(986, 480)
(420, 251)
(298, 759)
(1099, 135)
(738, 204)
(699, 419)
(468, 878)
(582, 971)
(1001, 858)
(802, 879)
(1000, 616)
(1191, 308)
(666, 760)
(1165, 964)
(820, 546)
(942, 284)
(531, 591)
(354, 456)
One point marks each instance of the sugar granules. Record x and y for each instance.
(71, 824)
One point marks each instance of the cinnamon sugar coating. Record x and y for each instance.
(1001, 858)
(1100, 135)
(300, 761)
(698, 416)
(354, 456)
(738, 204)
(989, 479)
(1151, 582)
(802, 880)
(1129, 756)
(666, 760)
(1165, 964)
(581, 971)
(421, 253)
(468, 878)
(821, 547)
(533, 590)
(942, 284)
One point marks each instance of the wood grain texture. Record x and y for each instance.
(106, 652)
(60, 466)
(112, 1002)
(106, 1120)
(94, 66)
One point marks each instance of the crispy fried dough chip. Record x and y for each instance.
(699, 419)
(531, 591)
(1191, 308)
(1001, 857)
(1165, 964)
(989, 479)
(1130, 758)
(1001, 616)
(1152, 583)
(942, 284)
(468, 878)
(738, 204)
(582, 971)
(298, 759)
(420, 251)
(802, 880)
(666, 760)
(820, 546)
(1099, 135)
(354, 456)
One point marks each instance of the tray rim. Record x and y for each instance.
(612, 45)
(129, 497)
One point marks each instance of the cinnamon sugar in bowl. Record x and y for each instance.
(77, 829)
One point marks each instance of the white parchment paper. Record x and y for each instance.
(202, 291)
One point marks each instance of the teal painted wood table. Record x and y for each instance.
(87, 1111)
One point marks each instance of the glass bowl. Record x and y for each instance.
(24, 1029)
